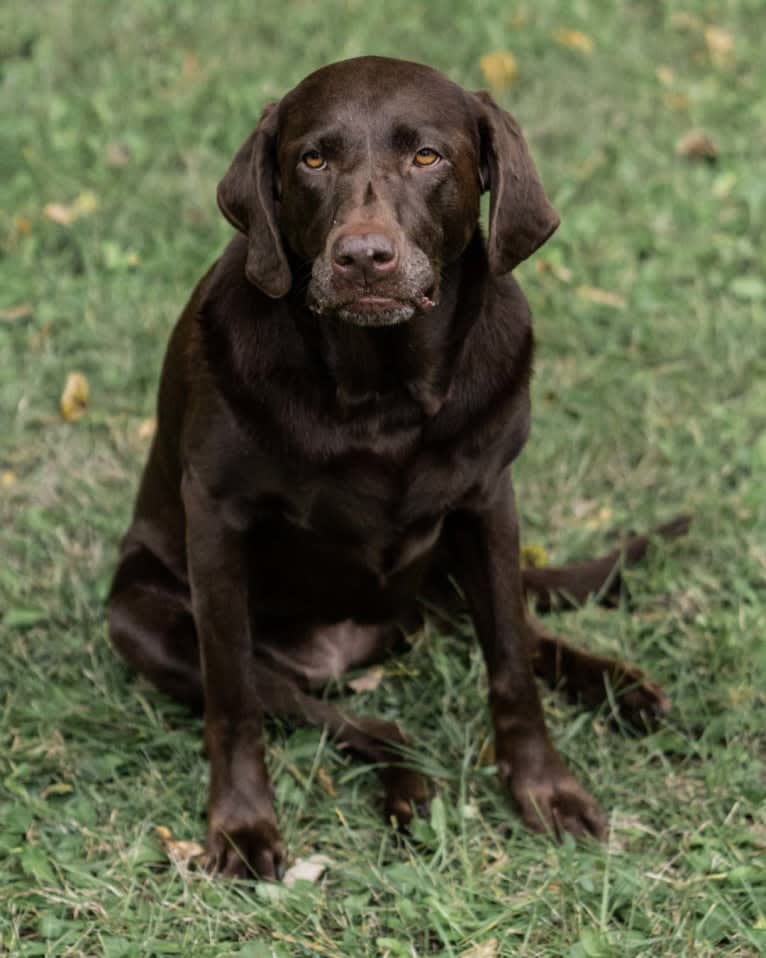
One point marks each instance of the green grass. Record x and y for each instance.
(640, 412)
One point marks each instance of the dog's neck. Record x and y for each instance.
(414, 359)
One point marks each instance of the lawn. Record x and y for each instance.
(650, 398)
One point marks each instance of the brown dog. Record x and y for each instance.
(340, 403)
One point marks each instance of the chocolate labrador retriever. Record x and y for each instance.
(339, 407)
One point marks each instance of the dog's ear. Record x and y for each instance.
(520, 217)
(247, 198)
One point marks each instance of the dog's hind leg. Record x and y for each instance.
(151, 626)
(588, 678)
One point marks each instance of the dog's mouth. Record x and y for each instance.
(372, 310)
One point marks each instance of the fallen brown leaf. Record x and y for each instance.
(191, 66)
(697, 145)
(117, 154)
(369, 680)
(500, 69)
(22, 224)
(486, 753)
(7, 478)
(583, 507)
(574, 40)
(12, 313)
(74, 398)
(601, 296)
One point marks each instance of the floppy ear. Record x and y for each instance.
(520, 217)
(246, 197)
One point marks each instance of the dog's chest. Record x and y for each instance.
(380, 514)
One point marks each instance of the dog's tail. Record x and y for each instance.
(571, 585)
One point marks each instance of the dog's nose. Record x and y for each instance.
(360, 256)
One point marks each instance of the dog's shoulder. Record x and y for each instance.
(245, 335)
(496, 362)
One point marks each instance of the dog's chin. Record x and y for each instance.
(376, 311)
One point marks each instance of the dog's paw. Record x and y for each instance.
(246, 849)
(408, 793)
(553, 801)
(638, 702)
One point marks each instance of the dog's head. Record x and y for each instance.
(371, 171)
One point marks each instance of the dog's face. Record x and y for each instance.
(370, 171)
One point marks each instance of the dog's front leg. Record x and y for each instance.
(484, 545)
(243, 838)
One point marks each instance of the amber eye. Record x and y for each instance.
(426, 157)
(313, 160)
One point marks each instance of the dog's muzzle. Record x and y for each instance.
(363, 279)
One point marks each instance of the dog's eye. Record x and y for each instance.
(426, 157)
(313, 160)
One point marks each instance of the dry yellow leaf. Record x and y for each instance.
(534, 556)
(7, 478)
(697, 145)
(678, 102)
(57, 788)
(74, 398)
(487, 949)
(665, 75)
(562, 273)
(601, 296)
(326, 782)
(66, 213)
(602, 518)
(179, 852)
(575, 40)
(86, 203)
(499, 68)
(720, 44)
(22, 224)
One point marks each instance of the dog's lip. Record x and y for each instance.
(376, 302)
(370, 302)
